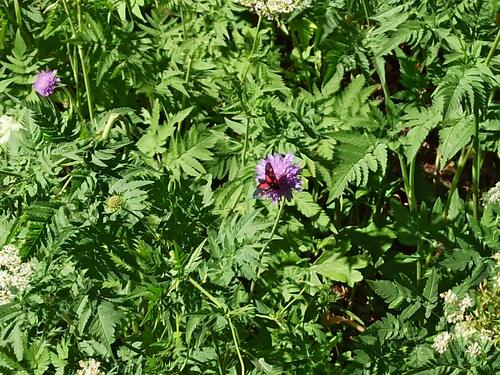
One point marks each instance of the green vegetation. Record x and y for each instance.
(136, 234)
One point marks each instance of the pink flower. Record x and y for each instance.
(277, 177)
(46, 82)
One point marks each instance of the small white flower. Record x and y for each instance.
(485, 335)
(441, 342)
(465, 329)
(454, 316)
(7, 126)
(496, 257)
(449, 296)
(473, 349)
(14, 274)
(466, 303)
(272, 8)
(90, 367)
(493, 196)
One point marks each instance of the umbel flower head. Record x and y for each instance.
(277, 177)
(272, 9)
(46, 82)
(90, 367)
(14, 274)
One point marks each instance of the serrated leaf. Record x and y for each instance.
(340, 268)
(306, 204)
(453, 138)
(16, 338)
(392, 292)
(105, 322)
(431, 285)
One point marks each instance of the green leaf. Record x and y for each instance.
(431, 286)
(453, 138)
(391, 291)
(339, 268)
(16, 338)
(459, 259)
(105, 322)
(306, 204)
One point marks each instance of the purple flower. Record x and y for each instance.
(277, 177)
(46, 82)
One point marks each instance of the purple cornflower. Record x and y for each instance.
(277, 177)
(46, 82)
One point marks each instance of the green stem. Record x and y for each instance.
(406, 181)
(476, 165)
(493, 48)
(252, 51)
(223, 307)
(234, 333)
(207, 294)
(17, 11)
(411, 197)
(81, 56)
(264, 247)
(464, 157)
(366, 13)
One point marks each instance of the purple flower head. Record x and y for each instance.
(277, 176)
(46, 82)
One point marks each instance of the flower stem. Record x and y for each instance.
(17, 11)
(214, 300)
(252, 51)
(493, 48)
(464, 157)
(264, 247)
(234, 333)
(82, 57)
(223, 307)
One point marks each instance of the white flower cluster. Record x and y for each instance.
(441, 342)
(7, 126)
(455, 310)
(466, 329)
(271, 9)
(90, 367)
(14, 274)
(493, 195)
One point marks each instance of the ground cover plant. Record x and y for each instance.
(249, 187)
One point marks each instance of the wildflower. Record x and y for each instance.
(473, 349)
(496, 257)
(7, 126)
(14, 274)
(272, 8)
(113, 204)
(453, 316)
(449, 296)
(90, 367)
(441, 342)
(277, 177)
(486, 335)
(46, 82)
(465, 303)
(465, 329)
(493, 195)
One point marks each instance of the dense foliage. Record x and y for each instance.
(132, 240)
